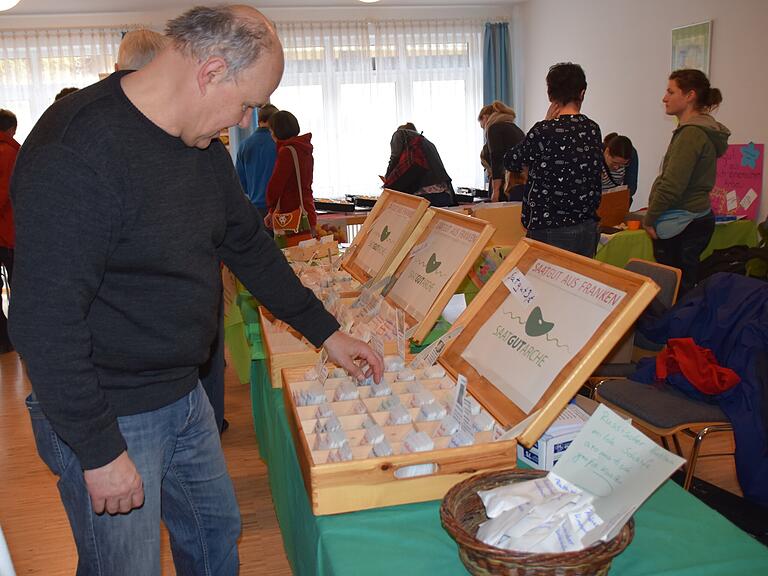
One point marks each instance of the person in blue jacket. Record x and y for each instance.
(256, 160)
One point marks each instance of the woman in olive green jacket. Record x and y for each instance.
(679, 217)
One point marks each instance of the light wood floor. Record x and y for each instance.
(34, 521)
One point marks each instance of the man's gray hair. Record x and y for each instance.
(203, 32)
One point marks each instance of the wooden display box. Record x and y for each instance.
(287, 348)
(387, 235)
(429, 275)
(370, 482)
(317, 250)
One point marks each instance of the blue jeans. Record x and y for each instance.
(580, 238)
(177, 451)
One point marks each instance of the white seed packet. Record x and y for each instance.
(381, 449)
(431, 372)
(374, 435)
(389, 403)
(324, 411)
(461, 438)
(393, 364)
(310, 374)
(381, 389)
(448, 426)
(483, 422)
(367, 381)
(510, 496)
(339, 373)
(347, 391)
(311, 396)
(422, 399)
(398, 415)
(432, 412)
(417, 442)
(342, 454)
(331, 440)
(406, 375)
(493, 531)
(369, 422)
(330, 425)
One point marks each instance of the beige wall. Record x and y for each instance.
(625, 48)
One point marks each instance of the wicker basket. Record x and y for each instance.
(462, 512)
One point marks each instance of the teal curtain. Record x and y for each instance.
(497, 73)
(237, 134)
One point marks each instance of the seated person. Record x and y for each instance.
(620, 163)
(415, 167)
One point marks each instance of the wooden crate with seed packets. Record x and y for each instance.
(443, 247)
(528, 341)
(387, 235)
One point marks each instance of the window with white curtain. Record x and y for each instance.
(36, 64)
(353, 83)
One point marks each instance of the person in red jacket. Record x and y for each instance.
(9, 148)
(283, 187)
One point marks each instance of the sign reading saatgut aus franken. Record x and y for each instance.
(549, 315)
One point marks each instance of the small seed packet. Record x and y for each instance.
(311, 396)
(339, 373)
(374, 435)
(324, 411)
(432, 412)
(381, 389)
(398, 415)
(346, 391)
(461, 438)
(483, 422)
(431, 372)
(331, 440)
(389, 403)
(381, 449)
(417, 442)
(422, 399)
(406, 375)
(393, 364)
(448, 426)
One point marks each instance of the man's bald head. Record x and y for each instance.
(240, 35)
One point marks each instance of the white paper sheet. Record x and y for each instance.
(616, 463)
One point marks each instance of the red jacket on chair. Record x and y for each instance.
(283, 186)
(9, 148)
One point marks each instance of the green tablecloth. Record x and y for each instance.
(637, 244)
(676, 534)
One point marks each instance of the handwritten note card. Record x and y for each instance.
(616, 463)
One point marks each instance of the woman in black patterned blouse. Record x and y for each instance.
(563, 154)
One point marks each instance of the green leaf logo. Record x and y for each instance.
(433, 263)
(385, 233)
(536, 325)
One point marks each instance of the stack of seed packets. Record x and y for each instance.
(608, 471)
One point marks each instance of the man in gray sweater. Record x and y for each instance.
(126, 202)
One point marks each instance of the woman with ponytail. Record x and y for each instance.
(501, 133)
(679, 217)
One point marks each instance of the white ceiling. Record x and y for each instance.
(35, 7)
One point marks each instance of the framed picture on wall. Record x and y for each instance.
(691, 46)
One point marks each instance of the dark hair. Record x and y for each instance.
(266, 112)
(407, 126)
(689, 79)
(7, 120)
(284, 125)
(565, 83)
(65, 92)
(619, 146)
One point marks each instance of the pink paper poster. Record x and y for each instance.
(739, 181)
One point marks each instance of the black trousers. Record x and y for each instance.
(684, 250)
(6, 261)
